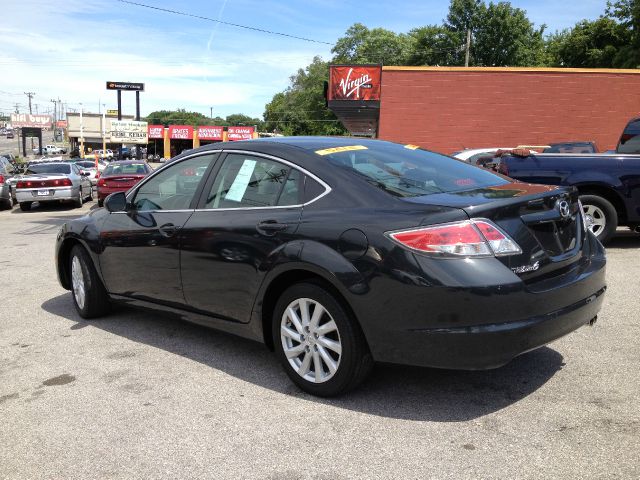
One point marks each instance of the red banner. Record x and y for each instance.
(353, 82)
(61, 124)
(210, 133)
(180, 132)
(239, 133)
(155, 131)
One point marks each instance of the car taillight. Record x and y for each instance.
(102, 182)
(22, 184)
(1, 179)
(470, 238)
(97, 173)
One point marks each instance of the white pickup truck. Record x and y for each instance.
(50, 150)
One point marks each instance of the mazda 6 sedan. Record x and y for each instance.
(339, 252)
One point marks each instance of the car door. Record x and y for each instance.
(249, 209)
(141, 255)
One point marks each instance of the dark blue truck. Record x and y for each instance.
(609, 183)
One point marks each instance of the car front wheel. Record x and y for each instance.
(89, 295)
(318, 342)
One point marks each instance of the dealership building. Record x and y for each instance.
(452, 108)
(165, 141)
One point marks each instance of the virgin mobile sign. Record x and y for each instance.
(354, 82)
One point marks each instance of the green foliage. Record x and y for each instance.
(182, 117)
(300, 109)
(436, 45)
(361, 45)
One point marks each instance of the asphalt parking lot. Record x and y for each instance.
(137, 396)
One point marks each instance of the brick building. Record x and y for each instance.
(451, 108)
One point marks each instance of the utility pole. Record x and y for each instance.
(211, 112)
(17, 105)
(30, 95)
(466, 50)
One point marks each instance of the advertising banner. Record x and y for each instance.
(180, 132)
(354, 82)
(128, 131)
(125, 86)
(156, 132)
(239, 133)
(19, 120)
(207, 132)
(61, 124)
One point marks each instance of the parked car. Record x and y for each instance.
(472, 154)
(52, 181)
(338, 252)
(50, 150)
(120, 177)
(90, 167)
(102, 154)
(9, 134)
(7, 173)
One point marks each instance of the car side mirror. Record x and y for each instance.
(116, 202)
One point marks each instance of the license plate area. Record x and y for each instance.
(43, 193)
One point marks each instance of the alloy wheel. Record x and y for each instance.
(77, 282)
(310, 340)
(595, 218)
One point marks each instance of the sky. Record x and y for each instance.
(67, 50)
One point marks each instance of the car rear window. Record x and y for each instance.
(630, 139)
(408, 171)
(49, 168)
(126, 169)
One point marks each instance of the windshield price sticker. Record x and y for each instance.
(348, 148)
(241, 182)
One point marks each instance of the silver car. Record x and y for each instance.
(7, 172)
(51, 182)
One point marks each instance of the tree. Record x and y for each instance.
(361, 45)
(300, 109)
(589, 44)
(436, 45)
(241, 119)
(627, 12)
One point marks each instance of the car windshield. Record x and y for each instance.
(407, 171)
(125, 169)
(49, 168)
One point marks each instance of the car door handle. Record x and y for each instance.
(168, 229)
(270, 227)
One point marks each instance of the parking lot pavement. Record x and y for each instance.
(138, 396)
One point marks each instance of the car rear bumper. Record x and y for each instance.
(104, 192)
(485, 327)
(5, 193)
(53, 194)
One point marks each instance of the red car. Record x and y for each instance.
(120, 177)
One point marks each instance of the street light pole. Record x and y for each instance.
(81, 133)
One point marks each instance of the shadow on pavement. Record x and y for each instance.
(624, 239)
(409, 393)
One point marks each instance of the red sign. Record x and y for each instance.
(210, 133)
(239, 133)
(354, 82)
(180, 132)
(61, 124)
(27, 120)
(155, 131)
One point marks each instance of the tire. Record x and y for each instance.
(349, 354)
(80, 199)
(602, 214)
(90, 197)
(25, 206)
(89, 295)
(101, 202)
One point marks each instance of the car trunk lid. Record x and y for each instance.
(122, 181)
(545, 221)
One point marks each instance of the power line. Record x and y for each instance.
(30, 95)
(200, 17)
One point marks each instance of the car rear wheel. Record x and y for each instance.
(80, 200)
(100, 202)
(89, 295)
(601, 216)
(25, 206)
(319, 344)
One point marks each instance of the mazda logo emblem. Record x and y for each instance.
(563, 208)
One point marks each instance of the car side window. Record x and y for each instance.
(174, 187)
(246, 181)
